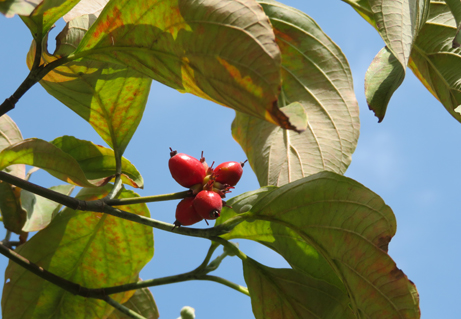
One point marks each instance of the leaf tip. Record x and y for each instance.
(379, 115)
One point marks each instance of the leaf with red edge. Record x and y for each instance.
(91, 249)
(331, 228)
(289, 294)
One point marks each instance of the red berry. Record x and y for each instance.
(229, 173)
(208, 204)
(186, 214)
(185, 169)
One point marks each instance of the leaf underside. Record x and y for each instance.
(331, 228)
(87, 248)
(316, 75)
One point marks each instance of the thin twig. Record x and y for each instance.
(102, 207)
(127, 311)
(227, 283)
(147, 199)
(101, 293)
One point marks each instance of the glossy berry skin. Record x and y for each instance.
(208, 204)
(228, 173)
(186, 214)
(186, 170)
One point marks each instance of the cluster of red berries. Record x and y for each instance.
(208, 186)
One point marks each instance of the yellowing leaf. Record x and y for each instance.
(223, 51)
(317, 78)
(90, 249)
(331, 229)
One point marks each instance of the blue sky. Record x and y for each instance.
(410, 160)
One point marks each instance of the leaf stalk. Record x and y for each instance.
(127, 311)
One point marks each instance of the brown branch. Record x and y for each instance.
(101, 206)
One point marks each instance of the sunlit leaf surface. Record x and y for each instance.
(90, 249)
(23, 7)
(433, 59)
(85, 7)
(40, 210)
(98, 161)
(9, 135)
(65, 166)
(315, 74)
(333, 229)
(110, 97)
(398, 23)
(13, 215)
(45, 15)
(287, 293)
(222, 50)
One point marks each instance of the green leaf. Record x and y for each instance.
(383, 77)
(13, 215)
(84, 7)
(45, 15)
(9, 135)
(333, 229)
(110, 97)
(223, 51)
(74, 31)
(315, 74)
(97, 161)
(9, 132)
(433, 59)
(398, 23)
(435, 62)
(286, 293)
(91, 249)
(39, 153)
(455, 8)
(142, 302)
(23, 7)
(40, 211)
(363, 9)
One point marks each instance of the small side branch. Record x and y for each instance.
(199, 273)
(130, 313)
(101, 207)
(147, 199)
(227, 283)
